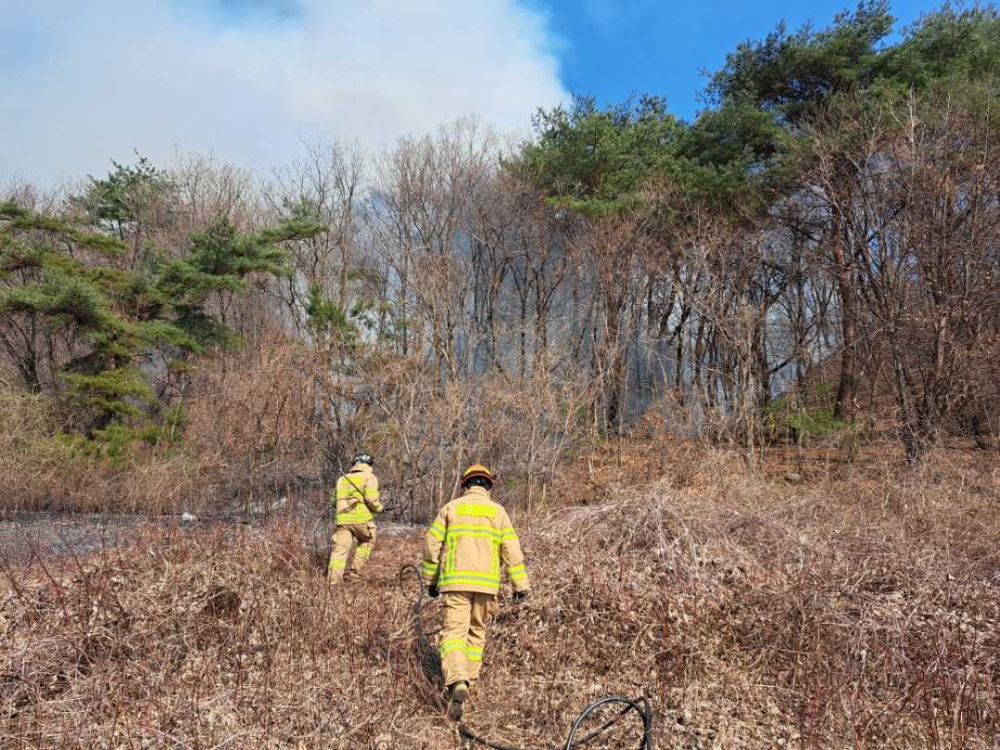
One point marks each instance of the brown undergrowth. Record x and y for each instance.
(243, 439)
(859, 613)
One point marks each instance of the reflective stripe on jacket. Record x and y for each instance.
(356, 496)
(467, 543)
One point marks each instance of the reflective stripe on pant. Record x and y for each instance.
(343, 537)
(463, 636)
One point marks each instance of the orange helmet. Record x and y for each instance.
(478, 471)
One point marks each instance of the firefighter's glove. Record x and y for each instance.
(520, 596)
(433, 591)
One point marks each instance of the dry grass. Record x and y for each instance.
(858, 613)
(256, 427)
(246, 439)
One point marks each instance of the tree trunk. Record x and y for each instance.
(844, 408)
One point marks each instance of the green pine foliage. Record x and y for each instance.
(598, 161)
(770, 91)
(116, 202)
(792, 74)
(737, 150)
(950, 46)
(742, 148)
(63, 278)
(595, 160)
(326, 315)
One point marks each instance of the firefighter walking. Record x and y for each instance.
(465, 547)
(355, 501)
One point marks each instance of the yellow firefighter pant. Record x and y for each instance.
(343, 536)
(463, 636)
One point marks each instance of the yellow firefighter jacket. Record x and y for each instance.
(465, 545)
(357, 496)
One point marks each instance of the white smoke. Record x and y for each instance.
(85, 82)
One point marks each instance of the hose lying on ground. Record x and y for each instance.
(430, 662)
(639, 705)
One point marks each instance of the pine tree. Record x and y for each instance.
(59, 282)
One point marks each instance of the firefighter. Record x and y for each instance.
(355, 501)
(465, 546)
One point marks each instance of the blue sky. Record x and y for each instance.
(610, 48)
(247, 81)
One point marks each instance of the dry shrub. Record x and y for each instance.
(248, 440)
(25, 420)
(852, 622)
(752, 613)
(194, 640)
(46, 472)
(252, 423)
(423, 434)
(257, 429)
(232, 635)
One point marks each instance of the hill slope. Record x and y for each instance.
(752, 614)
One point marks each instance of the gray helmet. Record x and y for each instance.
(364, 458)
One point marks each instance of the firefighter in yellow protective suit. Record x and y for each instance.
(465, 547)
(355, 500)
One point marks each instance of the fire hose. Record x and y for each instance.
(638, 705)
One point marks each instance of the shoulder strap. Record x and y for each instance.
(359, 489)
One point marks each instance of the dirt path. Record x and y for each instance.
(25, 537)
